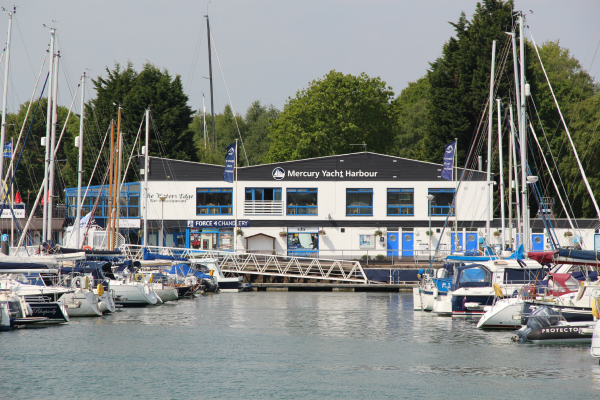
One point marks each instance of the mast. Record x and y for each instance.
(118, 184)
(519, 226)
(489, 147)
(455, 176)
(79, 144)
(204, 123)
(523, 144)
(4, 99)
(501, 176)
(52, 145)
(233, 198)
(212, 108)
(146, 169)
(47, 138)
(510, 182)
(110, 185)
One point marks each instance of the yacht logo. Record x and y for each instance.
(450, 148)
(231, 151)
(278, 173)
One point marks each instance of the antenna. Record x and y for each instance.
(360, 144)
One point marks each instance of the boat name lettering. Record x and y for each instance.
(559, 330)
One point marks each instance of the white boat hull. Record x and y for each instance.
(502, 314)
(81, 303)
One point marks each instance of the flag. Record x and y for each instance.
(8, 149)
(18, 198)
(229, 163)
(447, 172)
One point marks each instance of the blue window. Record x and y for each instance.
(214, 201)
(442, 202)
(301, 202)
(129, 202)
(400, 202)
(359, 202)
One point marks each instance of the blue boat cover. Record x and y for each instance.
(185, 270)
(154, 256)
(14, 265)
(591, 255)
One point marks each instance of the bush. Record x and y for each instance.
(380, 257)
(365, 257)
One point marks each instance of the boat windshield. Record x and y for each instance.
(472, 276)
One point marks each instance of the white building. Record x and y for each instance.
(350, 205)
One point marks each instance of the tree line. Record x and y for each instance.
(337, 112)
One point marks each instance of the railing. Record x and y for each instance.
(265, 207)
(260, 264)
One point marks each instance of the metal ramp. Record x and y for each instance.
(262, 264)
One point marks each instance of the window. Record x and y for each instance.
(263, 194)
(301, 202)
(359, 202)
(214, 201)
(400, 202)
(442, 201)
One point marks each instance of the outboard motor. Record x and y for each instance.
(210, 286)
(542, 317)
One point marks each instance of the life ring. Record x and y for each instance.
(100, 290)
(87, 248)
(498, 290)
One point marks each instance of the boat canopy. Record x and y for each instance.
(17, 265)
(472, 275)
(154, 256)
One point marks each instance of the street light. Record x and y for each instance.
(429, 199)
(162, 219)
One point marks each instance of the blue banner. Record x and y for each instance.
(229, 163)
(8, 150)
(447, 172)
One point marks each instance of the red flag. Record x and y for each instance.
(18, 198)
(47, 196)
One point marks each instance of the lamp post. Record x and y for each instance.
(429, 199)
(162, 220)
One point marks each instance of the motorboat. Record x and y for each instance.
(14, 313)
(82, 301)
(547, 325)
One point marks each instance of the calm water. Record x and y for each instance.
(262, 345)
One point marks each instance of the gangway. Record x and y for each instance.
(262, 264)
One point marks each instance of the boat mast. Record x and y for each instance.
(501, 176)
(4, 99)
(47, 138)
(212, 108)
(523, 143)
(510, 182)
(146, 171)
(110, 185)
(79, 144)
(118, 182)
(489, 147)
(52, 145)
(519, 227)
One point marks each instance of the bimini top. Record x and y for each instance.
(472, 275)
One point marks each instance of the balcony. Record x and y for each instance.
(265, 207)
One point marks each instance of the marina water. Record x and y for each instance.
(290, 345)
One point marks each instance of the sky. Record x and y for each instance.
(267, 49)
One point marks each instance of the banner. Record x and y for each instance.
(447, 172)
(8, 150)
(229, 163)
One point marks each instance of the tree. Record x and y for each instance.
(413, 115)
(331, 115)
(135, 92)
(459, 79)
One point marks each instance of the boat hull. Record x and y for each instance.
(54, 311)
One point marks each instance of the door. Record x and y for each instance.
(537, 242)
(392, 244)
(471, 241)
(457, 241)
(408, 244)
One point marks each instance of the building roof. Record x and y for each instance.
(364, 166)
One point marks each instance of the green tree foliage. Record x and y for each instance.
(170, 137)
(30, 171)
(413, 117)
(331, 115)
(459, 79)
(253, 128)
